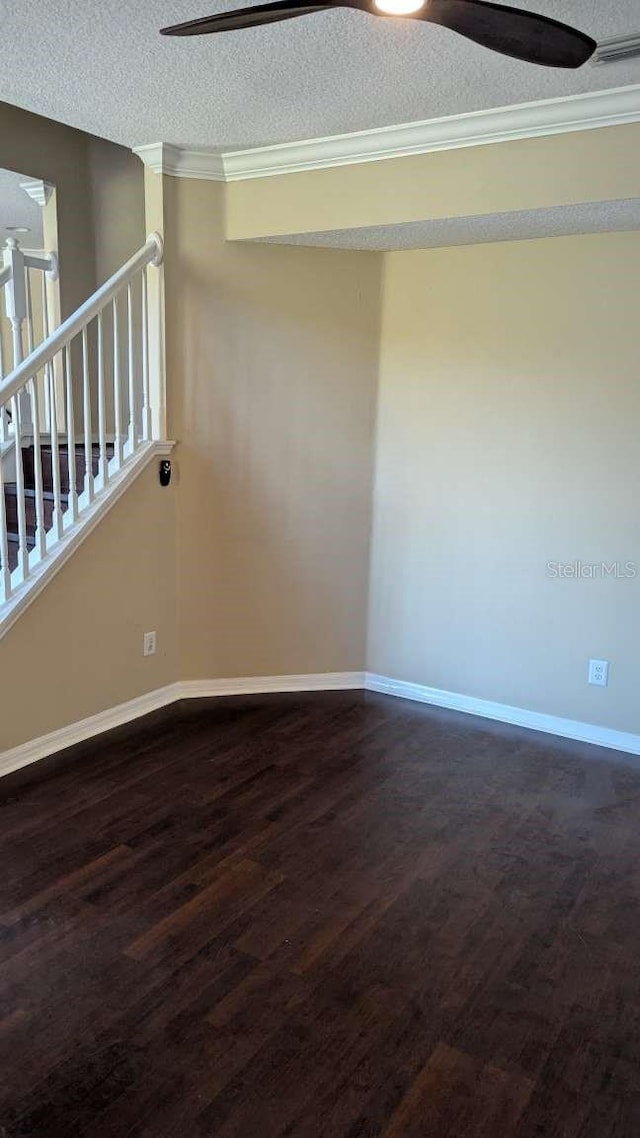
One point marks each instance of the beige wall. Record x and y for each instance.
(116, 178)
(531, 173)
(40, 148)
(78, 649)
(100, 196)
(256, 560)
(508, 437)
(272, 376)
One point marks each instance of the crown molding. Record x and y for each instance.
(615, 107)
(37, 190)
(478, 128)
(182, 162)
(615, 50)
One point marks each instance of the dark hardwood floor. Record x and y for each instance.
(322, 916)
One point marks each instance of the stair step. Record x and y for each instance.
(28, 466)
(46, 452)
(11, 503)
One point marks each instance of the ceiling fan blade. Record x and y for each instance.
(512, 31)
(248, 17)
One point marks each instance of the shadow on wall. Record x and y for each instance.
(276, 416)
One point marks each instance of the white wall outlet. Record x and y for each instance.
(599, 673)
(149, 644)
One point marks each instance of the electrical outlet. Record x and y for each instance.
(149, 644)
(599, 673)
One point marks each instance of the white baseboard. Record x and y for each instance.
(262, 685)
(503, 713)
(35, 749)
(27, 753)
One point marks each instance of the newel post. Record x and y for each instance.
(155, 295)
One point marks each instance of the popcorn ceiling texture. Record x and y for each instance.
(103, 67)
(590, 217)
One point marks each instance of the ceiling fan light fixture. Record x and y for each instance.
(399, 7)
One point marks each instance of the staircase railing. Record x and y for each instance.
(94, 373)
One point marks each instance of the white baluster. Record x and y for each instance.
(118, 442)
(103, 461)
(2, 368)
(5, 573)
(132, 433)
(4, 415)
(16, 306)
(71, 442)
(146, 404)
(29, 316)
(45, 333)
(23, 549)
(55, 453)
(40, 535)
(86, 409)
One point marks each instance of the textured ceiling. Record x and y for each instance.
(592, 217)
(103, 67)
(17, 208)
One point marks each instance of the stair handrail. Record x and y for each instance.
(151, 253)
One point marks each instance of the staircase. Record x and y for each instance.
(48, 495)
(80, 417)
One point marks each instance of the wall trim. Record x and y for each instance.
(614, 107)
(30, 752)
(262, 685)
(181, 162)
(503, 713)
(38, 190)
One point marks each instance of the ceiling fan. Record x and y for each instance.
(511, 31)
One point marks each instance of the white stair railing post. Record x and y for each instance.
(5, 573)
(23, 549)
(103, 461)
(118, 441)
(71, 441)
(156, 339)
(132, 431)
(4, 416)
(40, 534)
(17, 310)
(147, 426)
(86, 408)
(55, 451)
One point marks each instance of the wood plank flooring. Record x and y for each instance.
(320, 916)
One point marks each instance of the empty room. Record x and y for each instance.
(320, 570)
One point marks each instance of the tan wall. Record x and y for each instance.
(40, 148)
(100, 196)
(117, 199)
(532, 173)
(508, 437)
(256, 559)
(508, 376)
(272, 372)
(78, 649)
